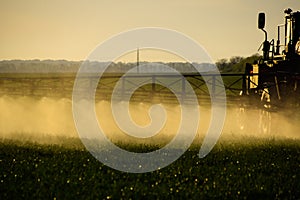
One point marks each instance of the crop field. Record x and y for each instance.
(258, 169)
(41, 156)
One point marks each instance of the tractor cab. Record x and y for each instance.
(292, 34)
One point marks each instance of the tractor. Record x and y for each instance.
(274, 79)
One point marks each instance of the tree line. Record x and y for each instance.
(233, 64)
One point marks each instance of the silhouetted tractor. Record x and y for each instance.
(274, 80)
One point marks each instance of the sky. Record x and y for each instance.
(70, 30)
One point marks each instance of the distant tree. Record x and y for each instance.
(235, 59)
(222, 64)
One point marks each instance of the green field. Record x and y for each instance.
(61, 85)
(256, 169)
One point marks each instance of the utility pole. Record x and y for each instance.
(138, 60)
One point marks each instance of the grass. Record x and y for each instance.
(264, 169)
(61, 85)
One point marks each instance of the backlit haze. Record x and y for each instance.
(70, 30)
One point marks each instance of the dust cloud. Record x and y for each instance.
(39, 120)
(49, 120)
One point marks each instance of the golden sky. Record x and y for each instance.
(68, 29)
